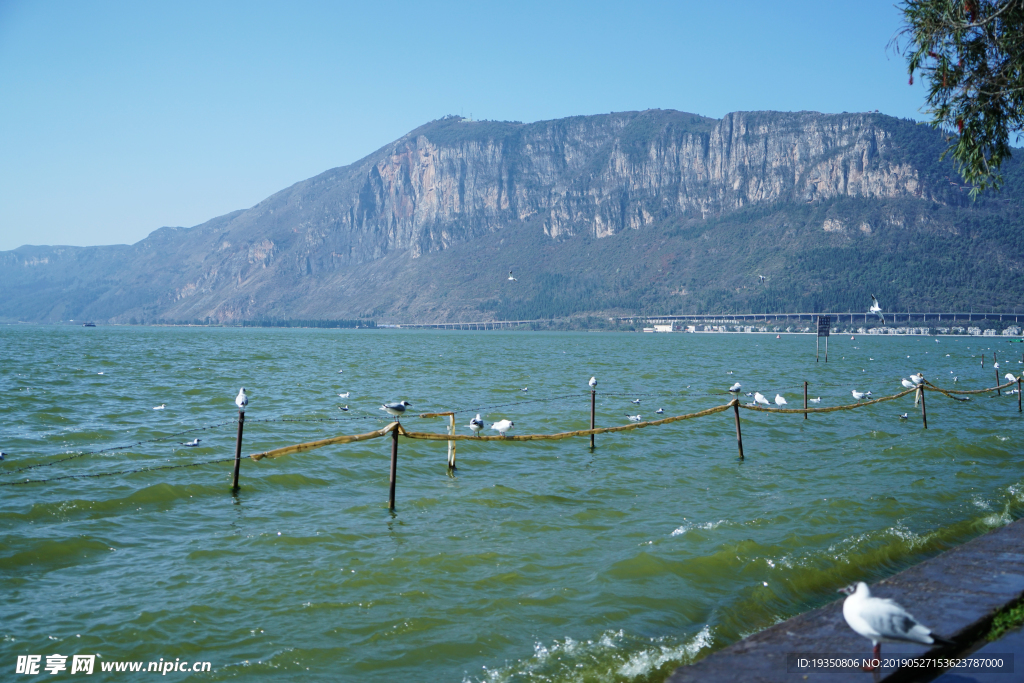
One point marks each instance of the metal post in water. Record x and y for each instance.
(924, 415)
(593, 402)
(739, 437)
(394, 467)
(982, 360)
(238, 450)
(805, 396)
(451, 444)
(1018, 396)
(999, 392)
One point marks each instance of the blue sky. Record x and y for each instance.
(117, 118)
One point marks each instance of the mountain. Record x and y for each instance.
(636, 212)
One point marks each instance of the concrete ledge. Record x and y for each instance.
(955, 594)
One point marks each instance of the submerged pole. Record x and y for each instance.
(394, 467)
(593, 402)
(238, 450)
(739, 437)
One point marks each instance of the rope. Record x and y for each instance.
(849, 406)
(111, 474)
(947, 392)
(310, 445)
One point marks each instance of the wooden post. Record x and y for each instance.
(805, 396)
(999, 392)
(739, 437)
(238, 450)
(593, 402)
(394, 467)
(924, 415)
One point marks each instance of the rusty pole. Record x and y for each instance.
(238, 450)
(739, 437)
(394, 467)
(924, 415)
(593, 402)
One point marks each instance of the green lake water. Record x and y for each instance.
(534, 561)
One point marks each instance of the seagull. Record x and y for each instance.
(956, 378)
(1010, 378)
(99, 373)
(2, 454)
(340, 371)
(814, 400)
(241, 400)
(759, 398)
(903, 416)
(343, 408)
(345, 395)
(779, 401)
(503, 426)
(660, 411)
(592, 382)
(860, 394)
(762, 278)
(636, 401)
(476, 424)
(633, 418)
(996, 365)
(876, 309)
(395, 409)
(883, 621)
(193, 442)
(525, 389)
(510, 278)
(160, 407)
(735, 387)
(917, 379)
(908, 384)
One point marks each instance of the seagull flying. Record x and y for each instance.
(510, 278)
(345, 395)
(241, 400)
(759, 398)
(193, 442)
(395, 409)
(876, 309)
(476, 424)
(160, 407)
(592, 382)
(883, 621)
(735, 387)
(860, 394)
(503, 426)
(633, 418)
(779, 401)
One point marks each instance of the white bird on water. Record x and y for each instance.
(343, 408)
(903, 416)
(660, 411)
(476, 424)
(735, 387)
(510, 278)
(345, 395)
(635, 401)
(759, 398)
(633, 418)
(592, 382)
(241, 400)
(860, 394)
(396, 409)
(876, 309)
(193, 442)
(883, 621)
(780, 401)
(160, 407)
(503, 426)
(814, 400)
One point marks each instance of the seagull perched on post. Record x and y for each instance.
(592, 382)
(759, 398)
(241, 400)
(883, 621)
(917, 379)
(876, 309)
(396, 409)
(779, 401)
(908, 384)
(735, 387)
(476, 424)
(503, 426)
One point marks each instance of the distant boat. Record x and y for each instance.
(88, 324)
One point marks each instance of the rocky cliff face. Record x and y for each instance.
(312, 249)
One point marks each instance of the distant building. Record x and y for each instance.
(974, 331)
(989, 333)
(1011, 331)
